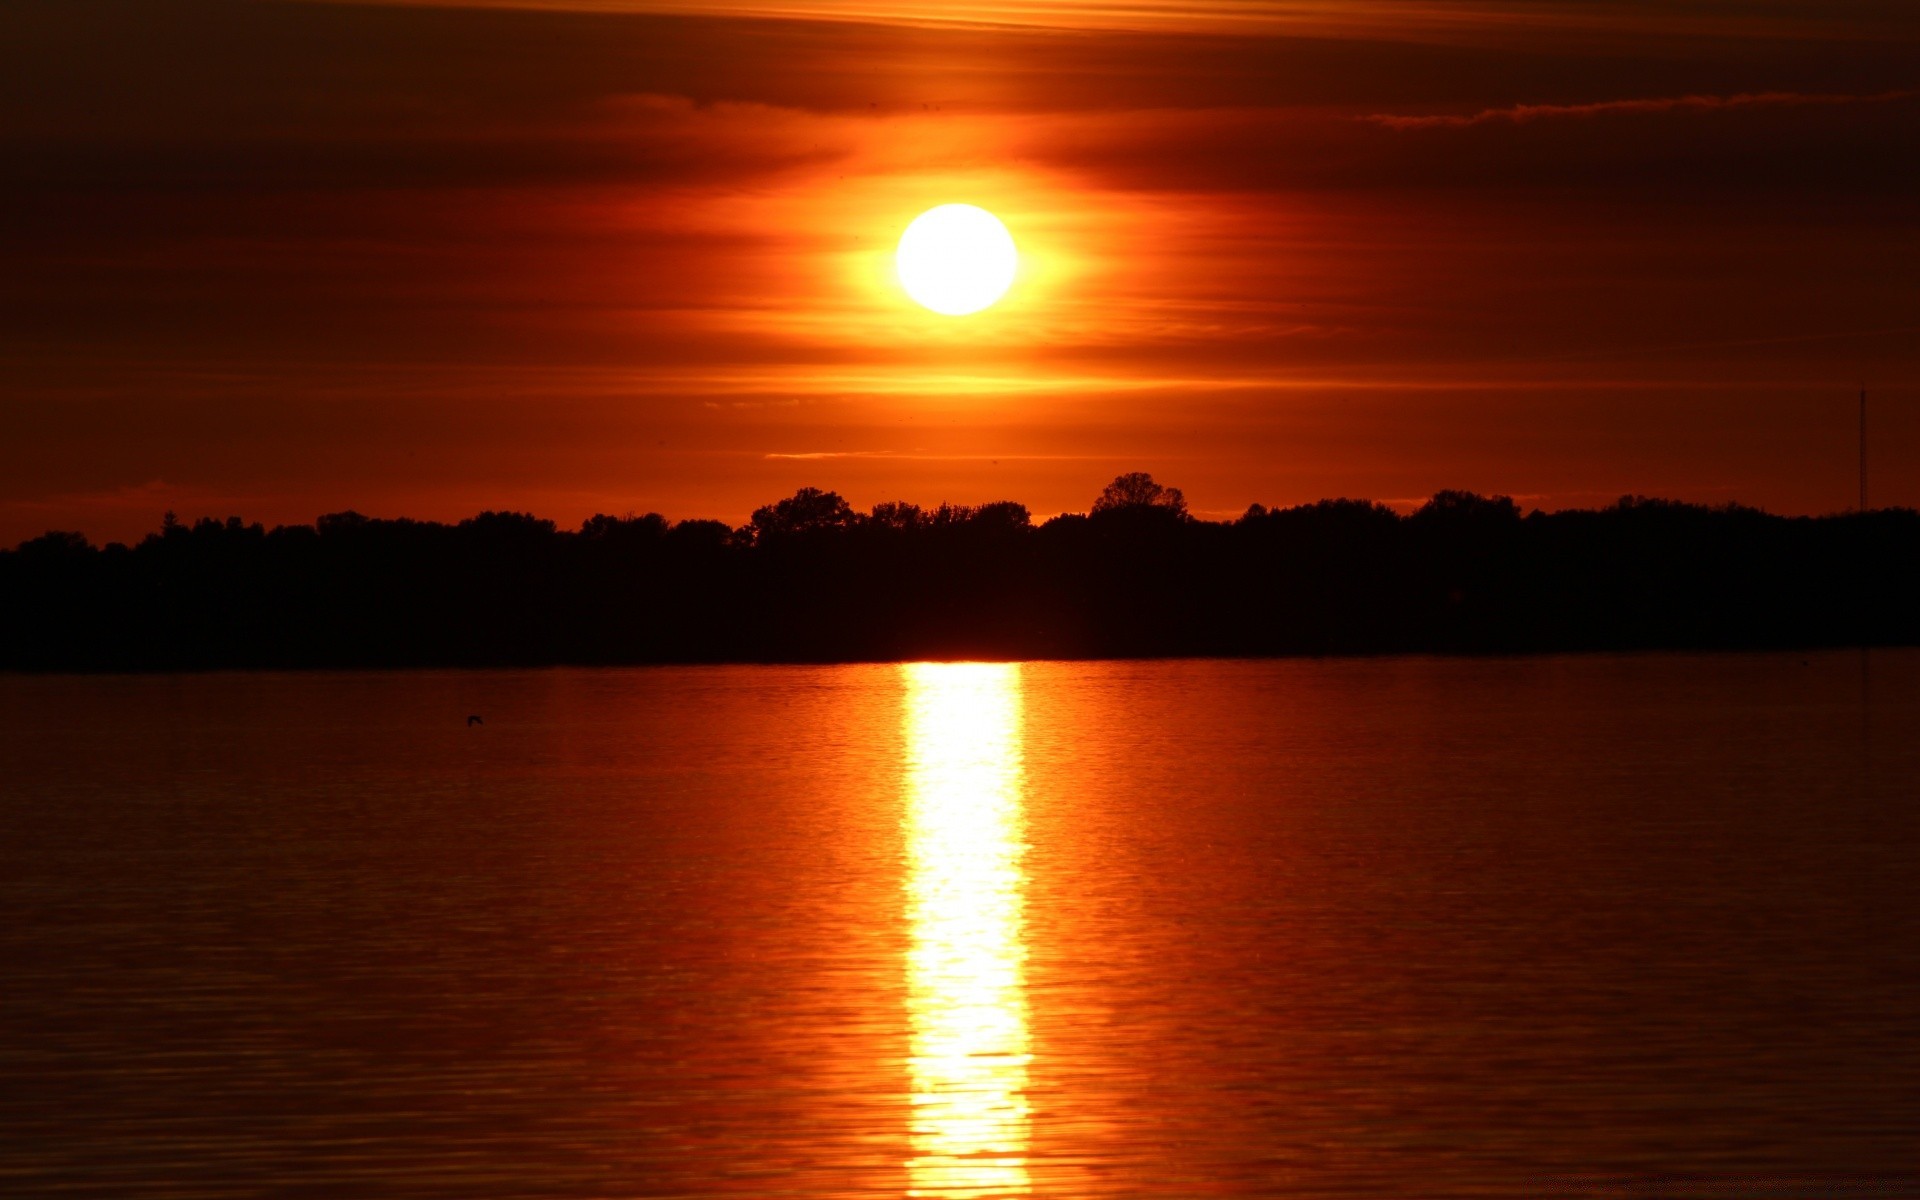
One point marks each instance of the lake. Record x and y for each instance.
(1608, 925)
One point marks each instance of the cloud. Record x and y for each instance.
(1401, 20)
(1520, 114)
(916, 456)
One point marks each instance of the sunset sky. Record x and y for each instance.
(279, 259)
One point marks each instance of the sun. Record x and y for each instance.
(956, 259)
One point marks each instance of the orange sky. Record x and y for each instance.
(278, 259)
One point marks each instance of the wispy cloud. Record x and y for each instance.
(1397, 19)
(1520, 114)
(916, 456)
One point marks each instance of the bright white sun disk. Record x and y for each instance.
(956, 259)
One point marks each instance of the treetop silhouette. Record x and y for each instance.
(1137, 490)
(811, 578)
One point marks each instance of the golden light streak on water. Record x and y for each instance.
(966, 835)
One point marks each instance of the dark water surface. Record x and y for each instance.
(1643, 925)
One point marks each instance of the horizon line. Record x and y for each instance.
(1400, 507)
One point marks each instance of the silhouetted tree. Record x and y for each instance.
(628, 529)
(339, 523)
(897, 514)
(806, 511)
(710, 535)
(1003, 514)
(508, 525)
(1136, 490)
(1463, 508)
(55, 545)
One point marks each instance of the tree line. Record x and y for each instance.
(810, 578)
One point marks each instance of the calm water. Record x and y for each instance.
(1578, 926)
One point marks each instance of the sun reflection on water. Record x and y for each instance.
(966, 835)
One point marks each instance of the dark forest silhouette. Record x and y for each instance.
(811, 579)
